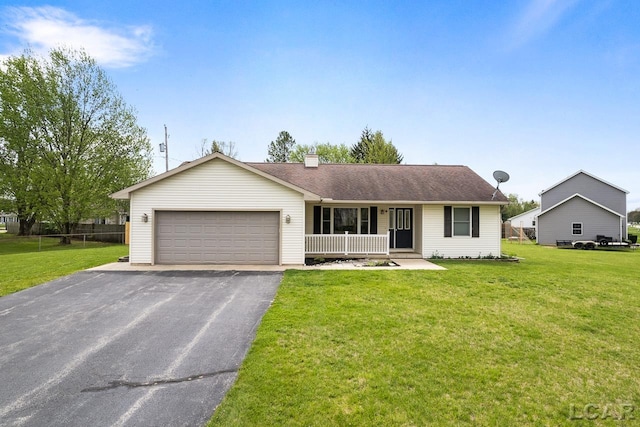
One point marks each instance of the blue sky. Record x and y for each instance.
(538, 88)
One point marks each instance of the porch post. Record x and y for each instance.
(346, 243)
(388, 241)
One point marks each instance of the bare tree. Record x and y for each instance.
(222, 147)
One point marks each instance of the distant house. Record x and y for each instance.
(218, 210)
(8, 217)
(526, 219)
(523, 224)
(582, 207)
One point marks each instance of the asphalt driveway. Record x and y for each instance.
(127, 348)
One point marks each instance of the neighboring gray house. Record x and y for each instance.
(582, 207)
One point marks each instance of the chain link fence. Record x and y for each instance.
(108, 233)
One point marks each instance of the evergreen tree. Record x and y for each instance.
(280, 149)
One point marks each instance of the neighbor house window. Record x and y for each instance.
(576, 229)
(461, 221)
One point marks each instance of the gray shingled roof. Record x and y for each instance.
(419, 183)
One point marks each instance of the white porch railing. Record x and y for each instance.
(347, 244)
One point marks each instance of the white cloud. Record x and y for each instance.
(538, 18)
(44, 28)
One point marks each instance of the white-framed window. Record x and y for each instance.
(338, 220)
(461, 221)
(400, 220)
(576, 228)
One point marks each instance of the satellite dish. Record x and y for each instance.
(501, 177)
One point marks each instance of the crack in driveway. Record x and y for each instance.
(151, 383)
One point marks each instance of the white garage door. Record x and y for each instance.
(217, 237)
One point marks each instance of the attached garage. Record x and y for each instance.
(217, 237)
(216, 210)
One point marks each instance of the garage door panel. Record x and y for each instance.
(217, 237)
(225, 229)
(176, 228)
(194, 244)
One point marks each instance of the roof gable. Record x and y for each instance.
(126, 192)
(587, 174)
(583, 198)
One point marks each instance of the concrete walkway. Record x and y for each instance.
(401, 264)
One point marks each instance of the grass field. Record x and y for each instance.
(551, 340)
(25, 262)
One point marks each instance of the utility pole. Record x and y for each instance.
(164, 148)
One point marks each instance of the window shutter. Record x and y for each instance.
(475, 221)
(373, 220)
(447, 221)
(317, 220)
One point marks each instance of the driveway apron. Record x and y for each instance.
(127, 348)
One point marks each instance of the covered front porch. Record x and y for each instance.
(363, 230)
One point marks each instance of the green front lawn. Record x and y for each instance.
(25, 262)
(483, 343)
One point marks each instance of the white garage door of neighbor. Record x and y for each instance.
(217, 237)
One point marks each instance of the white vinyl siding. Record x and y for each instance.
(217, 186)
(434, 242)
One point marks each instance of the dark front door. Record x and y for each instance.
(401, 228)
